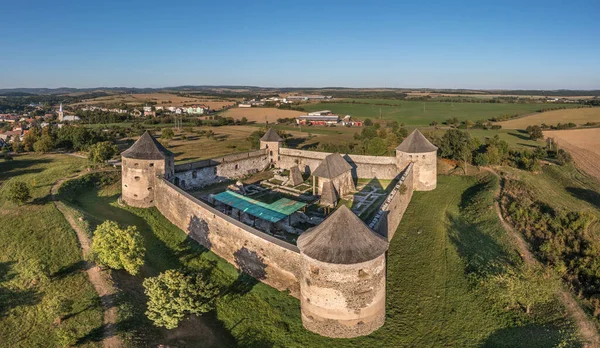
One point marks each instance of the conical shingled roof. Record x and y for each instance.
(416, 143)
(343, 238)
(271, 135)
(332, 166)
(328, 195)
(148, 148)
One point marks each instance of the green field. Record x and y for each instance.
(431, 301)
(418, 113)
(38, 233)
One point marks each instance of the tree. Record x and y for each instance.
(243, 121)
(44, 144)
(17, 146)
(368, 122)
(17, 192)
(119, 248)
(102, 151)
(28, 140)
(167, 133)
(521, 288)
(535, 132)
(172, 295)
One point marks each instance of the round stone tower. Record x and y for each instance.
(423, 154)
(342, 283)
(141, 164)
(271, 141)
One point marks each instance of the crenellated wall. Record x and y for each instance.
(207, 172)
(380, 167)
(266, 258)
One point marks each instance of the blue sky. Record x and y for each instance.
(449, 44)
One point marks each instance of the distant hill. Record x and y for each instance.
(265, 90)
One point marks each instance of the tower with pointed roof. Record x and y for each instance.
(271, 141)
(342, 284)
(419, 151)
(142, 163)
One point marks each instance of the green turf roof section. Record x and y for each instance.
(273, 212)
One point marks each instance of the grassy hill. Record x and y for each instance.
(40, 261)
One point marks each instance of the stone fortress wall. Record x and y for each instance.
(270, 260)
(202, 173)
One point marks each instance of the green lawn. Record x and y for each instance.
(37, 232)
(418, 113)
(431, 301)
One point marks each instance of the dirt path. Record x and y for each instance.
(102, 286)
(586, 328)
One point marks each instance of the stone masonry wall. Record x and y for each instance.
(207, 172)
(264, 257)
(379, 167)
(391, 212)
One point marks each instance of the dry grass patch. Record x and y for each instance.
(260, 115)
(584, 146)
(577, 116)
(161, 99)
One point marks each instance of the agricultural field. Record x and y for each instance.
(583, 145)
(430, 302)
(418, 113)
(41, 262)
(579, 116)
(261, 115)
(161, 99)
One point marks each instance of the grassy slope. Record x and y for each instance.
(430, 301)
(417, 113)
(38, 231)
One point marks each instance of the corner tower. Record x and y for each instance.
(271, 141)
(423, 154)
(141, 164)
(342, 282)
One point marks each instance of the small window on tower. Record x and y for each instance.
(137, 178)
(151, 164)
(236, 167)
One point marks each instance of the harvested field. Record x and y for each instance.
(260, 115)
(584, 146)
(577, 116)
(161, 99)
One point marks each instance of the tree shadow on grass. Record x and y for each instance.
(71, 269)
(530, 336)
(481, 253)
(18, 166)
(12, 298)
(587, 195)
(520, 136)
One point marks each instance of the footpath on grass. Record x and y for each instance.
(100, 282)
(585, 327)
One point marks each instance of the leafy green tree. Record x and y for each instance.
(172, 295)
(535, 132)
(368, 133)
(563, 157)
(28, 140)
(244, 121)
(66, 337)
(522, 288)
(119, 248)
(167, 133)
(44, 144)
(376, 147)
(102, 151)
(17, 192)
(17, 146)
(368, 122)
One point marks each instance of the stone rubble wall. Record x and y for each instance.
(207, 172)
(264, 257)
(380, 167)
(390, 213)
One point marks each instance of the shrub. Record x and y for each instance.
(17, 192)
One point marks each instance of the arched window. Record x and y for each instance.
(137, 178)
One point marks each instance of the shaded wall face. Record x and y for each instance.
(138, 181)
(343, 184)
(393, 213)
(425, 168)
(265, 258)
(214, 172)
(342, 300)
